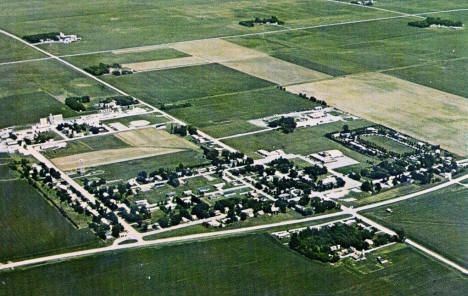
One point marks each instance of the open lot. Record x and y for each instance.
(388, 144)
(421, 112)
(302, 141)
(152, 118)
(31, 227)
(171, 86)
(227, 115)
(436, 220)
(247, 265)
(130, 169)
(125, 23)
(141, 143)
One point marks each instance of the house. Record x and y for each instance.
(335, 248)
(213, 223)
(204, 189)
(188, 193)
(170, 194)
(369, 242)
(389, 210)
(249, 212)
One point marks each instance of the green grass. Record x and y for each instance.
(12, 50)
(29, 108)
(245, 265)
(110, 58)
(173, 85)
(302, 141)
(31, 227)
(415, 6)
(152, 118)
(227, 115)
(125, 23)
(388, 144)
(437, 220)
(130, 169)
(87, 145)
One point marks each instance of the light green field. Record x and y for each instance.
(31, 227)
(87, 145)
(110, 58)
(415, 6)
(125, 23)
(170, 86)
(246, 265)
(388, 144)
(436, 220)
(302, 141)
(227, 115)
(152, 118)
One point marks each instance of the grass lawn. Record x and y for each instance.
(152, 118)
(31, 227)
(124, 23)
(87, 145)
(243, 265)
(302, 141)
(388, 144)
(130, 169)
(442, 212)
(110, 58)
(227, 115)
(173, 85)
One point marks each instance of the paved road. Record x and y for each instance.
(249, 133)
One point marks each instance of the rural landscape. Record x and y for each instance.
(221, 147)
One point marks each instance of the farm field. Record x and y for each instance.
(302, 141)
(141, 143)
(110, 58)
(130, 169)
(125, 23)
(253, 264)
(421, 112)
(173, 85)
(31, 227)
(13, 50)
(227, 115)
(415, 6)
(389, 144)
(440, 212)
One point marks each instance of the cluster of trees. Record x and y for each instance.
(36, 38)
(365, 3)
(287, 124)
(257, 20)
(315, 243)
(41, 138)
(120, 100)
(174, 106)
(77, 103)
(182, 130)
(435, 21)
(101, 69)
(314, 205)
(313, 99)
(78, 128)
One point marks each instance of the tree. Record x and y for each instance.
(366, 186)
(345, 128)
(192, 130)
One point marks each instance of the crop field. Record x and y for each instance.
(13, 50)
(171, 86)
(302, 141)
(141, 143)
(389, 144)
(166, 64)
(227, 115)
(32, 227)
(421, 112)
(125, 23)
(246, 265)
(110, 58)
(436, 220)
(415, 6)
(129, 169)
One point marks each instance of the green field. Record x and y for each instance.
(388, 144)
(130, 169)
(173, 85)
(415, 6)
(31, 227)
(29, 108)
(87, 145)
(436, 220)
(302, 141)
(152, 118)
(125, 23)
(110, 58)
(246, 265)
(12, 50)
(227, 115)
